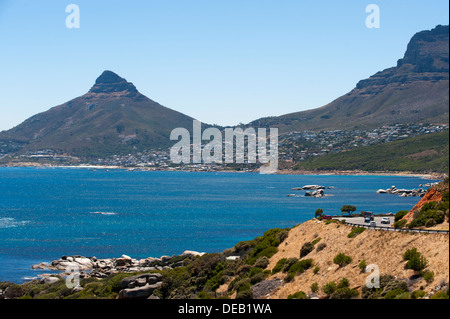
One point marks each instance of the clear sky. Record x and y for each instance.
(220, 61)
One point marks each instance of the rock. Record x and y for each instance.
(309, 187)
(140, 280)
(265, 287)
(40, 266)
(49, 280)
(189, 253)
(139, 292)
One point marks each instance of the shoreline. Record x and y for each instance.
(432, 175)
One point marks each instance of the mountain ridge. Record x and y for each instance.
(114, 117)
(416, 90)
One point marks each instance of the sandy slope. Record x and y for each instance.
(382, 248)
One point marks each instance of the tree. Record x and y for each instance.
(348, 209)
(318, 213)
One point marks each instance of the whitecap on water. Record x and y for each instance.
(103, 213)
(7, 222)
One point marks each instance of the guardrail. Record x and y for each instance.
(416, 230)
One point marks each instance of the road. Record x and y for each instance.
(360, 220)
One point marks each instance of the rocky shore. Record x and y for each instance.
(403, 192)
(133, 287)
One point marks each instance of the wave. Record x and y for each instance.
(103, 213)
(7, 222)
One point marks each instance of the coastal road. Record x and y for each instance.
(360, 220)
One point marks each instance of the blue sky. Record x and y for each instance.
(222, 62)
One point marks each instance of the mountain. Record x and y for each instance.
(415, 90)
(113, 117)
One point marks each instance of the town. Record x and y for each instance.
(293, 148)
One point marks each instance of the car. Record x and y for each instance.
(367, 220)
(373, 224)
(327, 217)
(385, 220)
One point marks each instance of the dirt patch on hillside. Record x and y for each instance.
(383, 248)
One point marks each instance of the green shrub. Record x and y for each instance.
(400, 224)
(409, 253)
(362, 265)
(417, 262)
(306, 249)
(289, 277)
(430, 223)
(246, 294)
(344, 293)
(315, 241)
(279, 266)
(440, 295)
(261, 262)
(342, 260)
(399, 215)
(300, 266)
(316, 269)
(394, 293)
(315, 287)
(356, 231)
(428, 276)
(298, 295)
(318, 213)
(417, 294)
(404, 295)
(289, 263)
(254, 271)
(344, 283)
(257, 278)
(329, 288)
(266, 245)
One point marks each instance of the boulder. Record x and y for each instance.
(189, 253)
(138, 292)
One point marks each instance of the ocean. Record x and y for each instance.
(51, 212)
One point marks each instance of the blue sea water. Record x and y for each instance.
(48, 213)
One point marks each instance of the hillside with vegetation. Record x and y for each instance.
(420, 154)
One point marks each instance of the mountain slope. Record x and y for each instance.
(416, 154)
(416, 90)
(113, 117)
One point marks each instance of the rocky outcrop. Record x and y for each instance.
(109, 82)
(139, 287)
(308, 187)
(101, 268)
(318, 191)
(433, 194)
(402, 192)
(264, 289)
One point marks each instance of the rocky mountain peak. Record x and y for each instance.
(428, 51)
(109, 82)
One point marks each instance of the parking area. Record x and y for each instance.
(360, 220)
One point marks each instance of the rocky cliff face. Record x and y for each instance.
(426, 59)
(433, 194)
(110, 82)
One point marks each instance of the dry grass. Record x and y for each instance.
(382, 248)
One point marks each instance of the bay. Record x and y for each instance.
(51, 212)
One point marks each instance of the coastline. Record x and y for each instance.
(431, 175)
